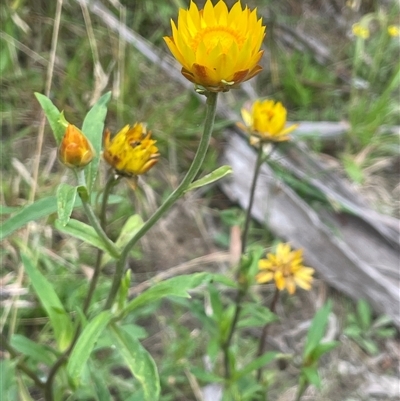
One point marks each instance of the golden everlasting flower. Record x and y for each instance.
(265, 121)
(218, 49)
(132, 151)
(75, 150)
(360, 31)
(393, 31)
(286, 268)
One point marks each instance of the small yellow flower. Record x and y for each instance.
(75, 150)
(360, 31)
(132, 151)
(393, 31)
(265, 120)
(286, 268)
(218, 49)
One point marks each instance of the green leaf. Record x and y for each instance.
(59, 319)
(53, 116)
(323, 348)
(129, 230)
(37, 210)
(205, 376)
(8, 209)
(8, 382)
(32, 349)
(387, 332)
(364, 314)
(255, 316)
(175, 286)
(216, 303)
(317, 329)
(139, 361)
(311, 375)
(368, 345)
(66, 195)
(83, 232)
(122, 294)
(382, 320)
(40, 208)
(352, 331)
(353, 170)
(93, 127)
(216, 175)
(99, 383)
(256, 364)
(85, 344)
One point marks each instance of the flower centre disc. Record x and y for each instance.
(211, 37)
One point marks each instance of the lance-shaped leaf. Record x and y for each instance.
(93, 127)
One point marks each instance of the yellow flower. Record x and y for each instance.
(75, 150)
(218, 49)
(286, 268)
(360, 31)
(132, 151)
(266, 121)
(393, 31)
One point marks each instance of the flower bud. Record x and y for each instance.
(75, 150)
(265, 121)
(131, 152)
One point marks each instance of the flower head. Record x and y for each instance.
(393, 31)
(132, 151)
(360, 31)
(75, 150)
(218, 49)
(286, 268)
(265, 121)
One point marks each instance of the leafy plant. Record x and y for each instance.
(366, 331)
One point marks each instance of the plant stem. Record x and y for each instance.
(242, 291)
(97, 267)
(20, 364)
(264, 334)
(251, 200)
(301, 390)
(93, 220)
(99, 227)
(111, 182)
(48, 387)
(190, 175)
(227, 343)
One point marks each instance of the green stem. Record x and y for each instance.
(48, 388)
(302, 389)
(97, 267)
(190, 175)
(93, 220)
(20, 364)
(264, 334)
(242, 291)
(259, 162)
(227, 343)
(111, 182)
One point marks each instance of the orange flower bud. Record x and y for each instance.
(75, 150)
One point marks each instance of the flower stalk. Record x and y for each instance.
(264, 334)
(243, 289)
(258, 164)
(97, 267)
(93, 220)
(211, 106)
